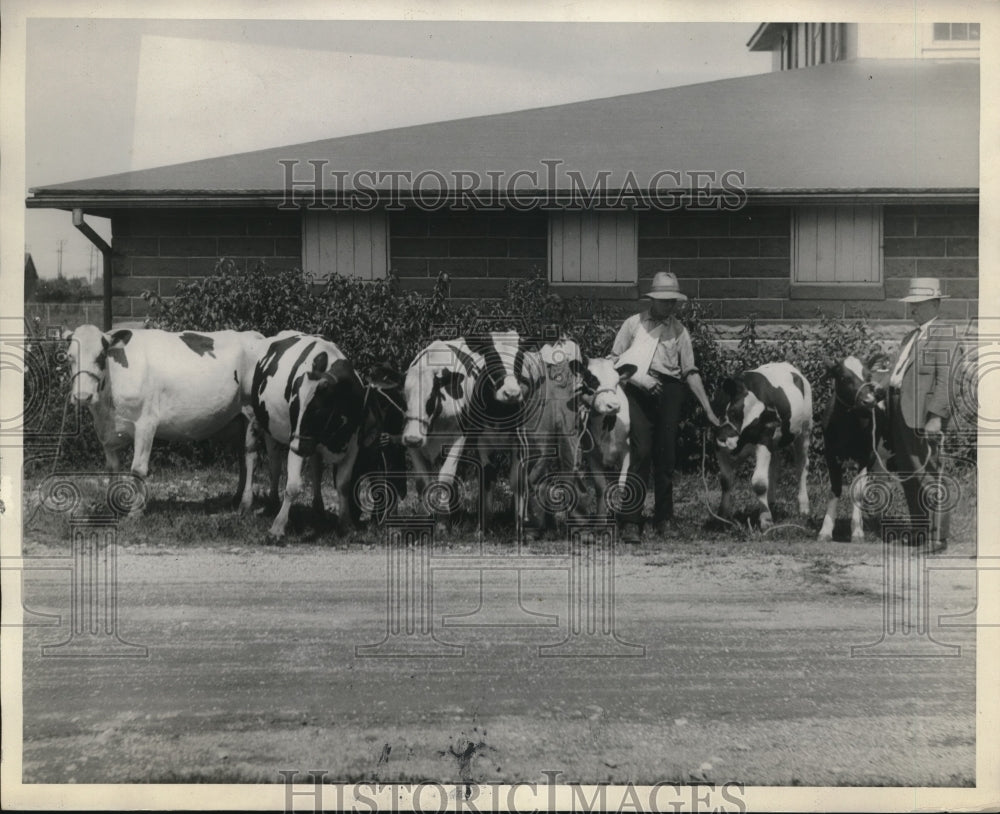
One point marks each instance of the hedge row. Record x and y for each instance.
(376, 322)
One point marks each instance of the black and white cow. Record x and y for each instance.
(461, 394)
(146, 384)
(306, 396)
(764, 409)
(606, 455)
(853, 426)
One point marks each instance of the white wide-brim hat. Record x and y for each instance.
(924, 288)
(665, 287)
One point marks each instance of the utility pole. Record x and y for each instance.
(60, 252)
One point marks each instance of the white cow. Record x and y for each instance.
(146, 384)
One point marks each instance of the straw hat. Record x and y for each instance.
(924, 288)
(665, 287)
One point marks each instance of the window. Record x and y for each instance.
(593, 247)
(956, 31)
(836, 42)
(816, 55)
(354, 244)
(833, 245)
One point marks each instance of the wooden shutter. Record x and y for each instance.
(593, 247)
(354, 244)
(837, 244)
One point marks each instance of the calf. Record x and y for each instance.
(146, 384)
(606, 457)
(853, 425)
(306, 396)
(764, 409)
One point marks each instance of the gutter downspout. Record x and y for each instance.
(105, 249)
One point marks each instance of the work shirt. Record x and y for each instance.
(906, 352)
(655, 346)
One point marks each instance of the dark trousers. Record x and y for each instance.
(653, 443)
(917, 464)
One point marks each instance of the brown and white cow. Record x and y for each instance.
(763, 410)
(853, 426)
(606, 457)
(306, 396)
(146, 384)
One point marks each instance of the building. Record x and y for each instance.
(823, 187)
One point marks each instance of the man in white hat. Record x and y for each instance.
(659, 346)
(918, 404)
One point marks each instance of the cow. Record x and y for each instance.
(550, 435)
(146, 384)
(380, 451)
(853, 426)
(464, 393)
(305, 396)
(764, 409)
(606, 452)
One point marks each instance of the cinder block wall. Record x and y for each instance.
(740, 263)
(480, 251)
(156, 249)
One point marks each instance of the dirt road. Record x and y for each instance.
(744, 674)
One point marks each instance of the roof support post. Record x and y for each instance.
(105, 249)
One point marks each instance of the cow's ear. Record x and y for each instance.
(319, 365)
(878, 362)
(830, 368)
(65, 334)
(626, 372)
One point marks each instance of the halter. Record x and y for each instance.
(81, 372)
(857, 397)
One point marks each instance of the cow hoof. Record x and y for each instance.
(766, 523)
(274, 540)
(858, 537)
(824, 538)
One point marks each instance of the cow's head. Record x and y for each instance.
(86, 353)
(385, 404)
(327, 408)
(505, 380)
(853, 385)
(430, 380)
(745, 419)
(602, 385)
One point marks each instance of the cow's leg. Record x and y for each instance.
(293, 486)
(239, 440)
(759, 482)
(857, 518)
(834, 467)
(802, 468)
(251, 447)
(145, 431)
(449, 476)
(343, 482)
(727, 479)
(316, 468)
(274, 457)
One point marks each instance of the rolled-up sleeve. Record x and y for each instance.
(624, 338)
(686, 354)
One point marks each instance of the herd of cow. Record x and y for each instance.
(563, 418)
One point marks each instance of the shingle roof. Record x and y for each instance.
(859, 126)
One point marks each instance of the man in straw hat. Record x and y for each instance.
(659, 346)
(918, 404)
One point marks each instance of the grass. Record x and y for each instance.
(190, 506)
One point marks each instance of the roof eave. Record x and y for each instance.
(93, 203)
(766, 36)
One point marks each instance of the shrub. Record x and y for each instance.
(64, 289)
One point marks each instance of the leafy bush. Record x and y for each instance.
(64, 289)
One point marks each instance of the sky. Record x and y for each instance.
(146, 93)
